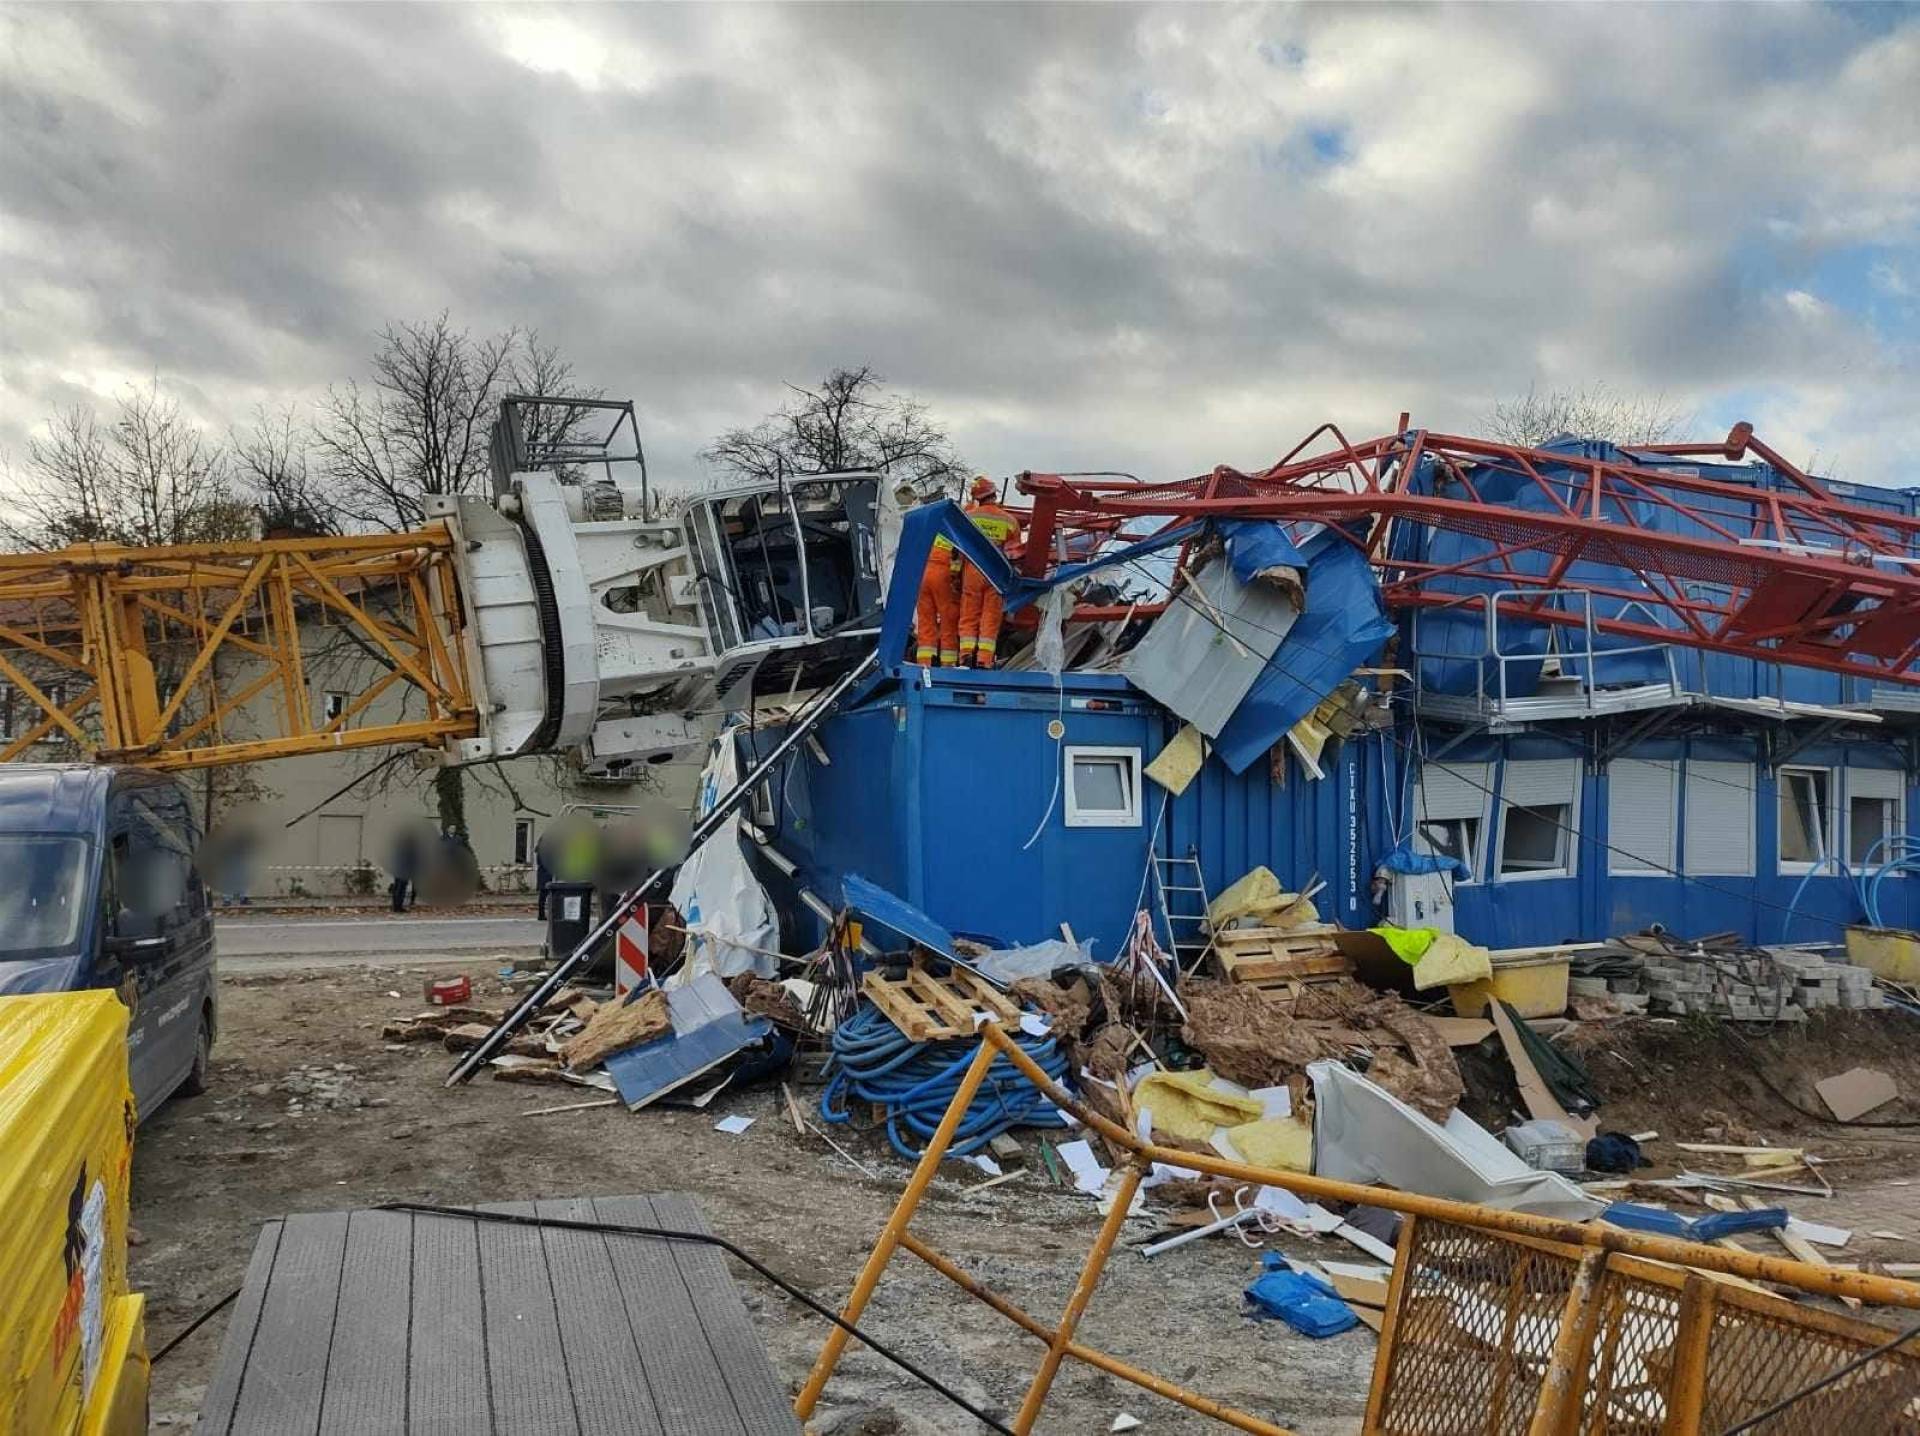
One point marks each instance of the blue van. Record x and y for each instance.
(98, 889)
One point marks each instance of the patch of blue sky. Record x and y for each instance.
(1284, 54)
(1306, 151)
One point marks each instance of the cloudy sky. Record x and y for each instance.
(1148, 238)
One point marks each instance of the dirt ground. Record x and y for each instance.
(208, 1170)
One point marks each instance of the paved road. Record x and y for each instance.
(248, 943)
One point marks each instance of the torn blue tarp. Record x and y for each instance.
(1403, 859)
(882, 909)
(947, 520)
(1307, 1304)
(1256, 545)
(708, 1028)
(1344, 626)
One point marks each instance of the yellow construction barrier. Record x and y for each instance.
(73, 1354)
(1496, 1321)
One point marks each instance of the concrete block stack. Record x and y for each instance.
(1770, 985)
(1822, 982)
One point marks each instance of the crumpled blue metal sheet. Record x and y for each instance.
(1345, 626)
(879, 906)
(708, 1027)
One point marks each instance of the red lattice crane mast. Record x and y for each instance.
(1776, 570)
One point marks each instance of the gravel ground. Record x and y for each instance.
(309, 1110)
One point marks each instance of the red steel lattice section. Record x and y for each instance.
(1781, 571)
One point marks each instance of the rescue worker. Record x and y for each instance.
(980, 602)
(936, 619)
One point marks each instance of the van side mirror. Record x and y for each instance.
(136, 949)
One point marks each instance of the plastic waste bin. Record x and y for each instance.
(569, 916)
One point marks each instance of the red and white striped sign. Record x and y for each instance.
(630, 953)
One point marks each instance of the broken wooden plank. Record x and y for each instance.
(1534, 1092)
(1797, 1245)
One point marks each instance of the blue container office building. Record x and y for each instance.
(1581, 793)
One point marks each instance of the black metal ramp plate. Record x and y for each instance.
(364, 1323)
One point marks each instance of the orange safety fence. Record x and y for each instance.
(1496, 1321)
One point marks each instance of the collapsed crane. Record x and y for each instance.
(1772, 567)
(565, 612)
(561, 612)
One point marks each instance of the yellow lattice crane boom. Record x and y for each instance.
(558, 612)
(197, 654)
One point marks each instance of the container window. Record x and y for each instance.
(1537, 814)
(1456, 838)
(1533, 841)
(1806, 817)
(1876, 798)
(1103, 787)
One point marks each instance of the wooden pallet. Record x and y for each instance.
(1262, 969)
(929, 1008)
(1263, 955)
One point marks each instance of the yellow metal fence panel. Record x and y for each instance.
(1477, 1314)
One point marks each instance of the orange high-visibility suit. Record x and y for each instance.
(936, 618)
(980, 603)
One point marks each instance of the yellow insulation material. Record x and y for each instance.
(71, 1349)
(1187, 1104)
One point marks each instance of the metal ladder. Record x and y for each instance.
(1190, 950)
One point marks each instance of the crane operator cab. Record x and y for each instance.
(603, 617)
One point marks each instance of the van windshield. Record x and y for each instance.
(42, 897)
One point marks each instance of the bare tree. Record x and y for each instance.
(419, 427)
(848, 423)
(272, 463)
(1594, 411)
(147, 476)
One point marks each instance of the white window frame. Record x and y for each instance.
(1469, 842)
(1699, 778)
(523, 854)
(328, 710)
(1465, 796)
(1622, 863)
(1076, 816)
(1892, 778)
(1569, 834)
(1829, 819)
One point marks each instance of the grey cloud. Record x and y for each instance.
(1088, 235)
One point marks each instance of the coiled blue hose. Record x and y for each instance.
(874, 1061)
